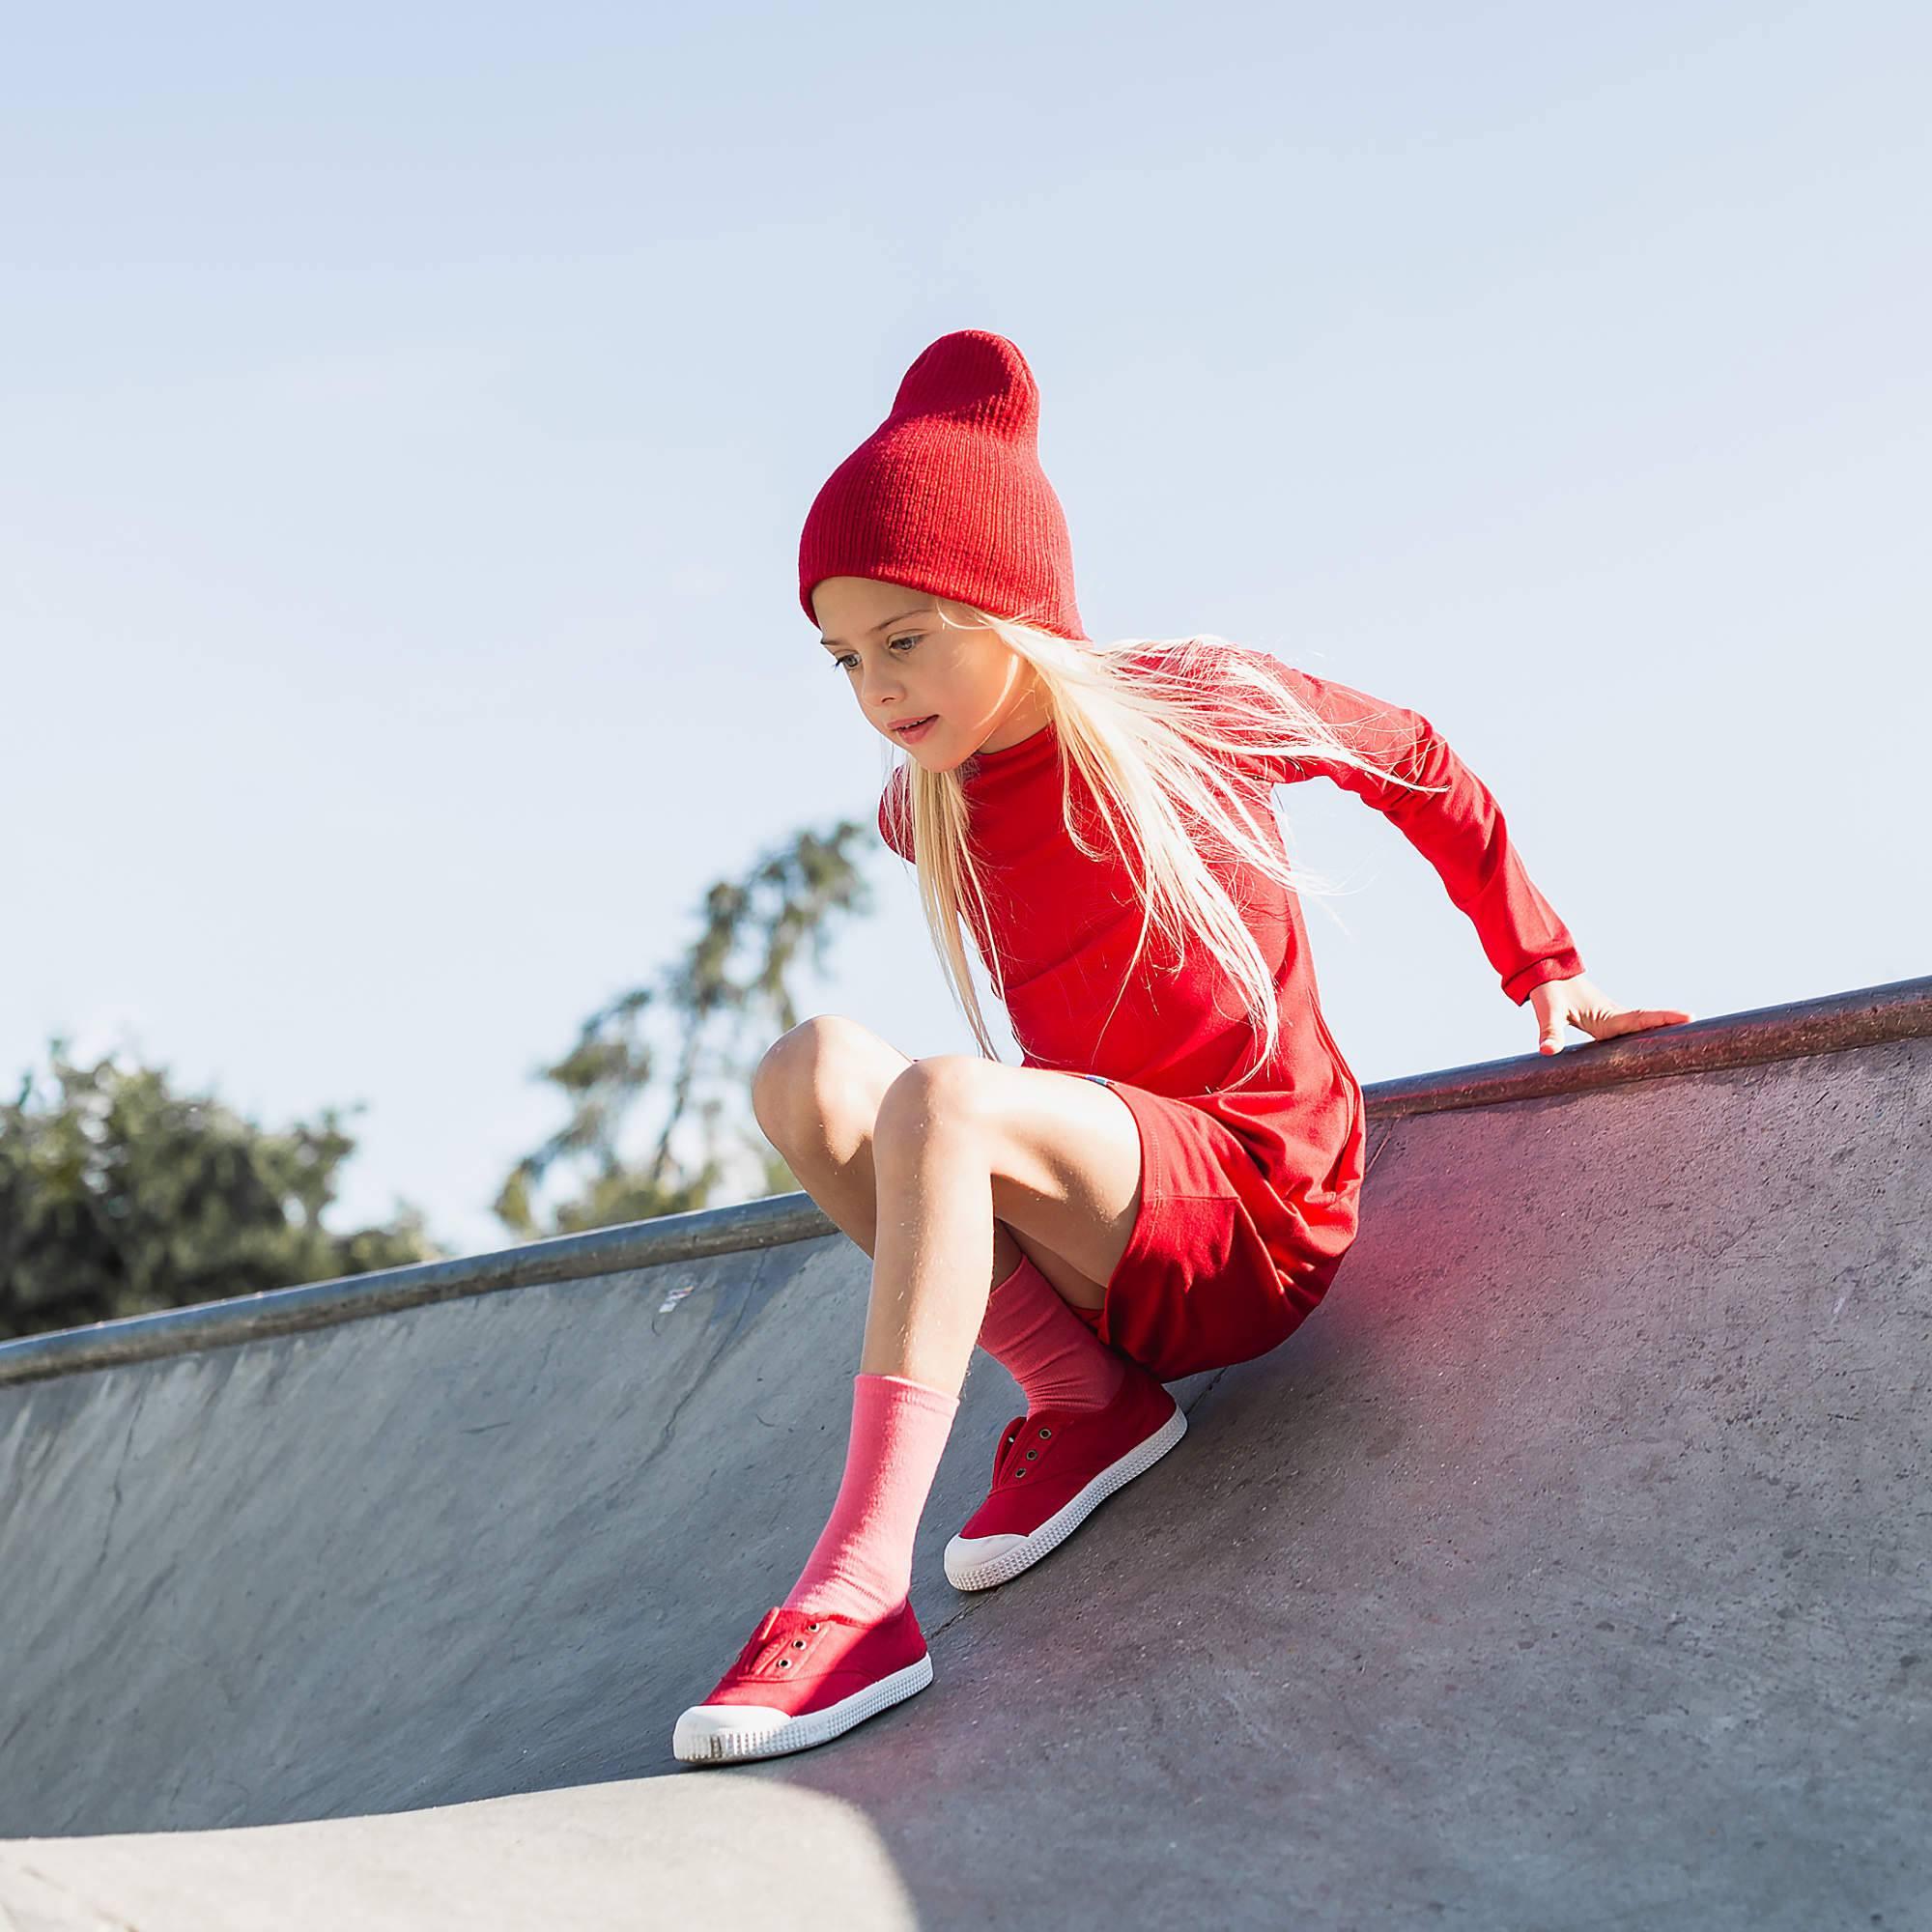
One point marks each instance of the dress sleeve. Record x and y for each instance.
(1461, 830)
(895, 816)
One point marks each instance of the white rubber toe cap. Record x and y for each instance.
(969, 1556)
(704, 1724)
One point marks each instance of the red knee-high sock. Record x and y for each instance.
(862, 1563)
(1058, 1361)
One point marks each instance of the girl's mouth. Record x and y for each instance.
(908, 735)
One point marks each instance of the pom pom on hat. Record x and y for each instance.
(947, 494)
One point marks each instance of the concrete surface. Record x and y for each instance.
(1571, 1568)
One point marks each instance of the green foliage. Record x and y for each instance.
(722, 1005)
(119, 1196)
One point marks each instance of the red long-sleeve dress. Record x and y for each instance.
(1248, 1198)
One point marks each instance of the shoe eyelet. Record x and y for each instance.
(798, 1643)
(1030, 1453)
(784, 1663)
(1044, 1434)
(1019, 1472)
(812, 1627)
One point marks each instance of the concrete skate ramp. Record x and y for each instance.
(1572, 1567)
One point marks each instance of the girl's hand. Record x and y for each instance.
(1582, 1005)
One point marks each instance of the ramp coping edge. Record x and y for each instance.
(1901, 1010)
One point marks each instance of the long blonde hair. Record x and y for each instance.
(1159, 744)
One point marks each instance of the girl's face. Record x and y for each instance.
(905, 665)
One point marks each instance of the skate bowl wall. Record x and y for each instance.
(1573, 1559)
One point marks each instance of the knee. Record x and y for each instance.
(809, 1077)
(943, 1092)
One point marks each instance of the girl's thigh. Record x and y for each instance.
(1064, 1159)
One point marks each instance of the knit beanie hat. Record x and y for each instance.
(947, 494)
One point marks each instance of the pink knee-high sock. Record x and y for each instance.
(1058, 1361)
(862, 1564)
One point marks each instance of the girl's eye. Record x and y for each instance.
(849, 657)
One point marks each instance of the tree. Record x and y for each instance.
(732, 984)
(119, 1196)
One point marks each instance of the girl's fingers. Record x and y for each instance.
(1653, 1017)
(1602, 1021)
(1633, 1020)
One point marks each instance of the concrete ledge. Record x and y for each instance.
(1901, 1010)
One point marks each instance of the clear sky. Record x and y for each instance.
(409, 414)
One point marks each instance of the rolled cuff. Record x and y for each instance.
(1564, 965)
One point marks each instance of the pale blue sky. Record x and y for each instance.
(410, 412)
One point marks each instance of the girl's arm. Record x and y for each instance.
(1461, 830)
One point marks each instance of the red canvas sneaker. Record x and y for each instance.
(1052, 1471)
(802, 1678)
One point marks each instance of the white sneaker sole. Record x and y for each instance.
(979, 1562)
(724, 1733)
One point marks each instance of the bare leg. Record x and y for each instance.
(818, 1097)
(931, 1269)
(959, 1149)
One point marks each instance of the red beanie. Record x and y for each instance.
(947, 494)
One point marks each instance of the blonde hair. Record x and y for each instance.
(1158, 728)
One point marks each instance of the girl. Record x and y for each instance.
(1169, 1180)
